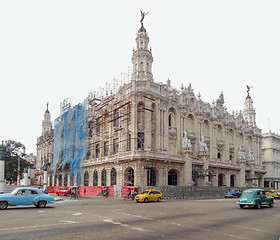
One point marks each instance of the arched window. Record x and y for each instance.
(95, 178)
(190, 123)
(71, 180)
(250, 142)
(55, 180)
(173, 177)
(151, 177)
(60, 180)
(65, 180)
(221, 178)
(86, 178)
(113, 176)
(106, 148)
(206, 129)
(171, 117)
(103, 177)
(195, 175)
(231, 136)
(51, 182)
(232, 180)
(220, 132)
(129, 177)
(241, 139)
(116, 118)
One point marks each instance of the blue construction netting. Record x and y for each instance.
(71, 141)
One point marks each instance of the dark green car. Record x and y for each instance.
(254, 198)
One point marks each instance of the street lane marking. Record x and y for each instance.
(77, 214)
(61, 222)
(252, 229)
(180, 225)
(66, 221)
(125, 225)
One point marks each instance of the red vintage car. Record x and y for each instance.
(63, 191)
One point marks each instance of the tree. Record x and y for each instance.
(15, 152)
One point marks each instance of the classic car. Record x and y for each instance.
(233, 192)
(63, 191)
(254, 198)
(149, 196)
(25, 196)
(275, 193)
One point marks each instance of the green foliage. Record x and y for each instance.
(14, 152)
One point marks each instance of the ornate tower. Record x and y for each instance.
(46, 123)
(142, 58)
(249, 113)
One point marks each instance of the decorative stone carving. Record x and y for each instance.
(202, 145)
(186, 142)
(251, 155)
(241, 155)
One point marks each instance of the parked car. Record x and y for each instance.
(63, 191)
(232, 192)
(275, 193)
(25, 196)
(149, 196)
(254, 198)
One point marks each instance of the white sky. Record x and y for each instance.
(52, 50)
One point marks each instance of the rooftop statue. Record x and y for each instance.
(248, 89)
(143, 14)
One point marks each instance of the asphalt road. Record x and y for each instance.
(98, 218)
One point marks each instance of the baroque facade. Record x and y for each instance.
(271, 159)
(44, 146)
(151, 134)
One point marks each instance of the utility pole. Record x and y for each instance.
(2, 168)
(18, 180)
(4, 150)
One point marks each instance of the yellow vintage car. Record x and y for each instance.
(275, 193)
(149, 196)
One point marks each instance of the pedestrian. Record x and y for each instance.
(85, 191)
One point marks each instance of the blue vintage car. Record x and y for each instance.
(233, 192)
(25, 196)
(254, 198)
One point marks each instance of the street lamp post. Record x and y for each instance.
(45, 167)
(18, 178)
(3, 153)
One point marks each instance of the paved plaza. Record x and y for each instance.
(112, 218)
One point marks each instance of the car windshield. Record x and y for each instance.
(14, 191)
(248, 192)
(145, 192)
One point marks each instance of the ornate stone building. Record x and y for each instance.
(44, 146)
(271, 159)
(149, 133)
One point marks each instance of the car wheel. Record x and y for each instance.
(258, 205)
(3, 205)
(271, 204)
(159, 199)
(241, 206)
(42, 204)
(145, 200)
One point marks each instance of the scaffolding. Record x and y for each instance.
(71, 140)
